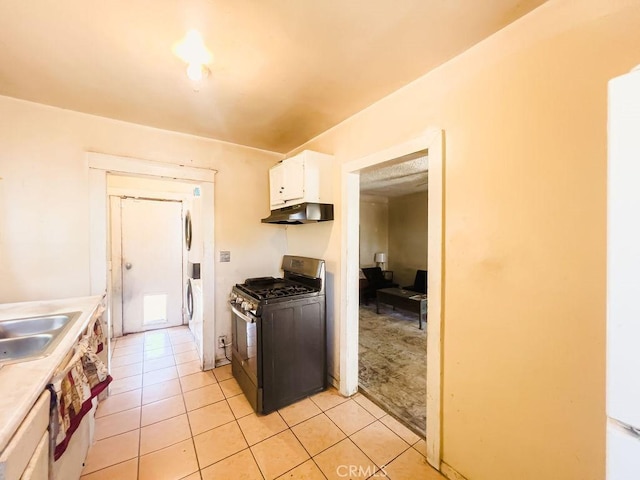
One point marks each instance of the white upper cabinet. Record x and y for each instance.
(299, 179)
(286, 182)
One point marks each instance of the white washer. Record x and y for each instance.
(194, 310)
(194, 245)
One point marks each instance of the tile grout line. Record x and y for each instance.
(236, 419)
(144, 350)
(246, 441)
(192, 437)
(353, 442)
(186, 412)
(161, 382)
(311, 457)
(144, 360)
(124, 461)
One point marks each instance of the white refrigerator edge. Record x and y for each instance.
(623, 278)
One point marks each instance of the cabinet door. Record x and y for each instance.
(293, 353)
(276, 185)
(23, 444)
(38, 467)
(293, 184)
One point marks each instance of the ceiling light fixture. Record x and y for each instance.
(192, 50)
(197, 72)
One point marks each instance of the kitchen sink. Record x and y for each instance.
(22, 347)
(28, 338)
(32, 325)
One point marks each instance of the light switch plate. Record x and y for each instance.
(225, 256)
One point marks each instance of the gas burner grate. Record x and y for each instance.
(286, 291)
(276, 289)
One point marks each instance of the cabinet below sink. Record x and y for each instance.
(23, 449)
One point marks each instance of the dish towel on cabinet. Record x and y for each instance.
(84, 378)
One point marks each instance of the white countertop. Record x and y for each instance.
(22, 383)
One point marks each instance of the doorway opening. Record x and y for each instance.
(148, 251)
(432, 141)
(393, 291)
(102, 166)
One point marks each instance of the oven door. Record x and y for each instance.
(245, 343)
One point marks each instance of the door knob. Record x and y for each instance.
(128, 266)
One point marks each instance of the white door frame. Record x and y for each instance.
(433, 141)
(99, 165)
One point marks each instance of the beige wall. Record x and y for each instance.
(407, 236)
(524, 115)
(44, 213)
(374, 228)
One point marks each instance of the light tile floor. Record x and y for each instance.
(166, 420)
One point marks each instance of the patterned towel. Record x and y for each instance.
(96, 341)
(74, 402)
(85, 379)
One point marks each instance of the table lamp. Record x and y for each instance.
(380, 258)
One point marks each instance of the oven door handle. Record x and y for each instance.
(243, 316)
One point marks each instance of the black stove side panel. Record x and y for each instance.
(294, 352)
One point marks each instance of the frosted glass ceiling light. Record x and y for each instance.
(192, 50)
(197, 71)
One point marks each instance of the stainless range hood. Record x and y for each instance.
(301, 213)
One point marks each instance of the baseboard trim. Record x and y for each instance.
(450, 472)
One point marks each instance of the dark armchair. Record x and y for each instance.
(375, 281)
(420, 282)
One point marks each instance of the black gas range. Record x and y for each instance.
(279, 334)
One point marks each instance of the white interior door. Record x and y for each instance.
(151, 264)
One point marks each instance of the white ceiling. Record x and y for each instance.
(403, 176)
(283, 72)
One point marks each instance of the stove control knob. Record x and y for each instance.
(244, 305)
(232, 296)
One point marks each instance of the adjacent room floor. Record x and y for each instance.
(393, 363)
(167, 420)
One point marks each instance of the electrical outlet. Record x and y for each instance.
(222, 341)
